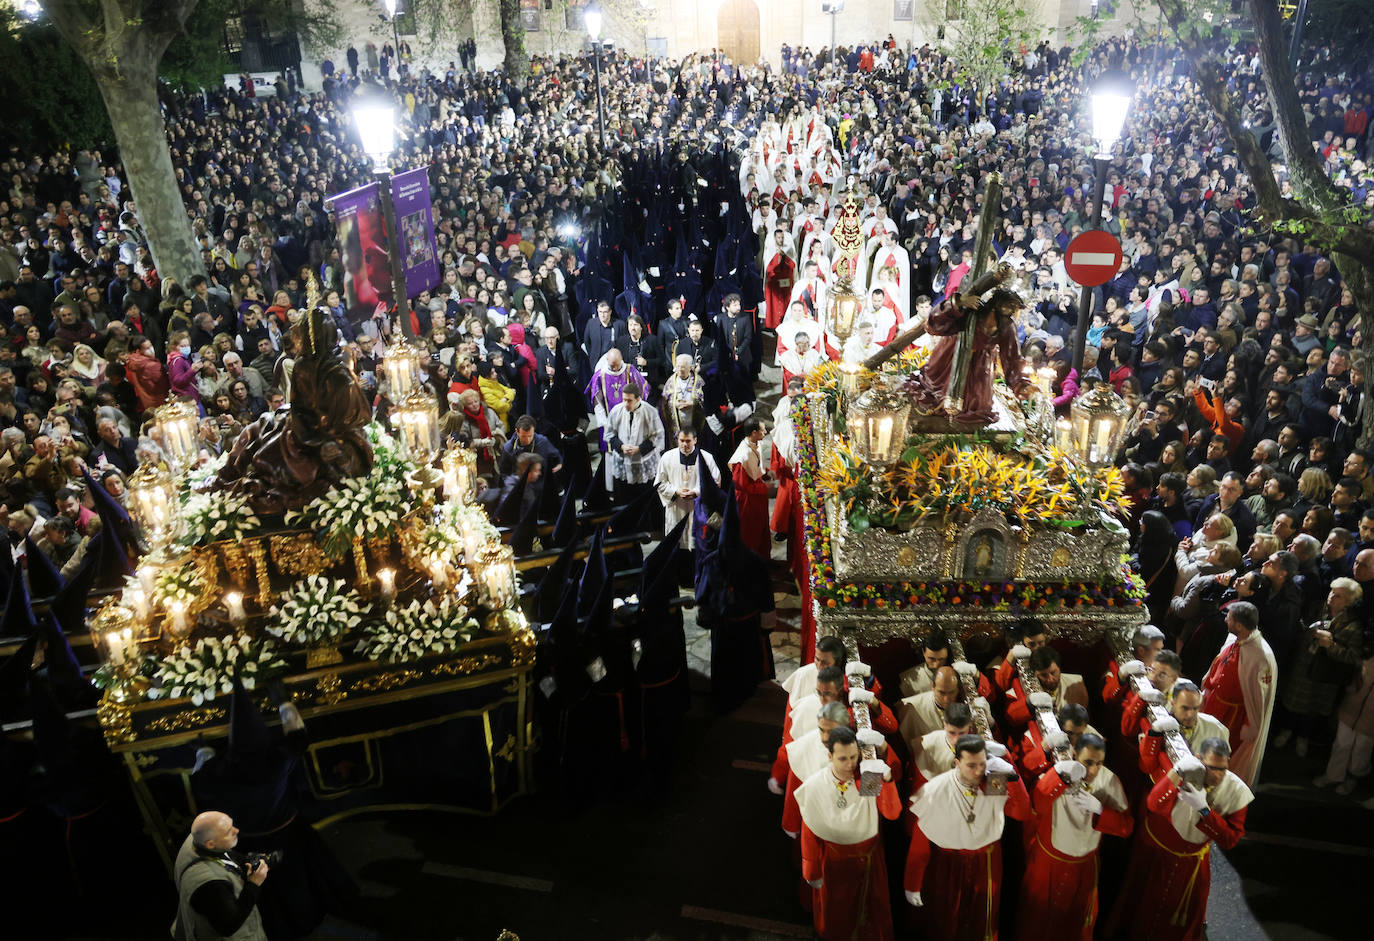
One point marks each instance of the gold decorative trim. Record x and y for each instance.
(116, 720)
(465, 665)
(298, 554)
(331, 691)
(385, 681)
(188, 719)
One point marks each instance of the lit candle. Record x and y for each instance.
(386, 579)
(438, 573)
(147, 577)
(114, 646)
(233, 601)
(1104, 436)
(1044, 378)
(137, 598)
(849, 380)
(179, 625)
(882, 440)
(1063, 434)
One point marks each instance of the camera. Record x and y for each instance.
(252, 861)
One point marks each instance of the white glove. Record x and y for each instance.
(1020, 652)
(1151, 696)
(1085, 801)
(815, 883)
(964, 668)
(859, 694)
(1000, 766)
(1040, 700)
(291, 720)
(1056, 740)
(914, 899)
(997, 750)
(857, 668)
(1165, 725)
(1194, 799)
(870, 737)
(774, 787)
(1070, 771)
(1187, 765)
(874, 766)
(1129, 669)
(715, 424)
(792, 834)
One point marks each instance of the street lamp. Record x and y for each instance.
(832, 8)
(391, 7)
(1111, 100)
(376, 124)
(593, 19)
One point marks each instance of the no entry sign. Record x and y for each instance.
(1093, 258)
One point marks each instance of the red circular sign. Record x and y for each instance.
(1093, 258)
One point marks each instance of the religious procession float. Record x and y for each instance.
(343, 567)
(941, 493)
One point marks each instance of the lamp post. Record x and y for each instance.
(833, 8)
(593, 19)
(391, 7)
(376, 123)
(1111, 98)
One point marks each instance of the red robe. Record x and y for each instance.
(1165, 894)
(1000, 345)
(852, 902)
(1222, 696)
(787, 511)
(961, 889)
(752, 499)
(778, 288)
(1059, 892)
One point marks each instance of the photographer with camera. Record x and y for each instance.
(217, 888)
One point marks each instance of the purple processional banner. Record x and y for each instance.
(362, 244)
(415, 219)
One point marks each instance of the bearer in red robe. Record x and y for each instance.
(842, 856)
(955, 860)
(786, 521)
(751, 490)
(1075, 803)
(781, 271)
(1165, 894)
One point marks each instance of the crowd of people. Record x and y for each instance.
(630, 291)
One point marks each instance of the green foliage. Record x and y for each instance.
(197, 58)
(984, 33)
(51, 99)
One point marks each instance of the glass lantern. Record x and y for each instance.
(1098, 418)
(401, 366)
(475, 538)
(178, 423)
(495, 575)
(844, 311)
(152, 498)
(877, 424)
(417, 421)
(1044, 378)
(113, 631)
(460, 474)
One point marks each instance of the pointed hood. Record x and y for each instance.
(522, 538)
(554, 584)
(45, 580)
(109, 542)
(595, 575)
(248, 732)
(508, 513)
(565, 530)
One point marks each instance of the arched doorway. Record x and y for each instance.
(737, 30)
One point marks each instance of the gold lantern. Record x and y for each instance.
(417, 421)
(495, 575)
(844, 309)
(112, 629)
(460, 474)
(178, 424)
(877, 423)
(152, 498)
(1045, 378)
(1098, 418)
(401, 366)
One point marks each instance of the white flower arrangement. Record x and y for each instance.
(180, 583)
(359, 507)
(201, 476)
(418, 629)
(208, 669)
(317, 610)
(215, 516)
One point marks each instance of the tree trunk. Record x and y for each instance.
(517, 61)
(122, 42)
(131, 100)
